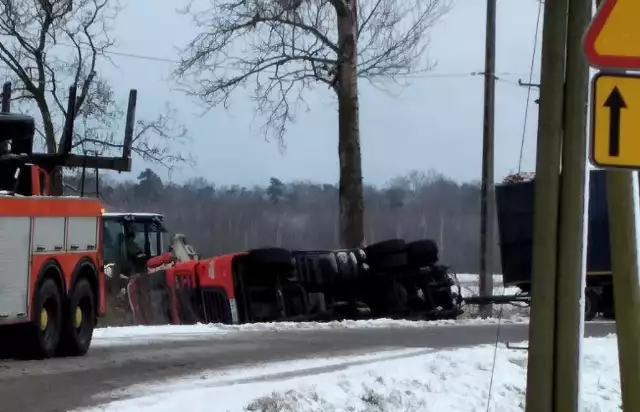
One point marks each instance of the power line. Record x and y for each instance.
(157, 59)
(419, 75)
(136, 56)
(171, 61)
(529, 85)
(415, 75)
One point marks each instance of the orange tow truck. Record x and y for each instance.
(52, 285)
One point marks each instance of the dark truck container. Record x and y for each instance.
(514, 204)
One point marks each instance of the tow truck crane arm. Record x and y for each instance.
(180, 250)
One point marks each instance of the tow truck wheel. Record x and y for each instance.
(40, 338)
(591, 305)
(79, 321)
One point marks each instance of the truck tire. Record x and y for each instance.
(79, 321)
(591, 305)
(39, 339)
(271, 256)
(609, 313)
(423, 253)
(386, 247)
(386, 255)
(382, 263)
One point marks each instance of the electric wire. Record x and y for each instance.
(495, 352)
(415, 75)
(526, 109)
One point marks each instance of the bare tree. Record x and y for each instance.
(47, 46)
(286, 47)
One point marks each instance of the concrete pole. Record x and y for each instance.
(540, 371)
(487, 197)
(571, 276)
(626, 293)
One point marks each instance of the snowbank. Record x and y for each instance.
(132, 334)
(393, 381)
(474, 278)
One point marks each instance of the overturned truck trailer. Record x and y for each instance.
(514, 203)
(387, 279)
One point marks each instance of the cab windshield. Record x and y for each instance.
(149, 237)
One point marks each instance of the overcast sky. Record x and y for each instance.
(436, 123)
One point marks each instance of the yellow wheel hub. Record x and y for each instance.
(44, 319)
(78, 317)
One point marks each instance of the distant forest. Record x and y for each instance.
(303, 215)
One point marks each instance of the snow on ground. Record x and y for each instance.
(129, 335)
(469, 284)
(391, 381)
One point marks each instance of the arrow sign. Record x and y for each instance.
(615, 120)
(615, 102)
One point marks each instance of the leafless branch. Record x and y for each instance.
(285, 53)
(49, 45)
(159, 140)
(393, 37)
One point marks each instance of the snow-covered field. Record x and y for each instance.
(391, 381)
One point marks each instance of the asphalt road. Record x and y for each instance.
(58, 385)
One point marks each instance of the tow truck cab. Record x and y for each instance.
(128, 256)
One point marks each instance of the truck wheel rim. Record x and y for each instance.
(44, 319)
(78, 317)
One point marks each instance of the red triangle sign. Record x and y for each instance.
(613, 38)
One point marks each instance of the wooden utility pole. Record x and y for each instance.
(571, 274)
(487, 198)
(540, 371)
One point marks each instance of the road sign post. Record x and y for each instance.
(611, 42)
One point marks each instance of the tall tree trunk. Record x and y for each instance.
(351, 188)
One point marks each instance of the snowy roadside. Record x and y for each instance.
(129, 335)
(469, 283)
(391, 381)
